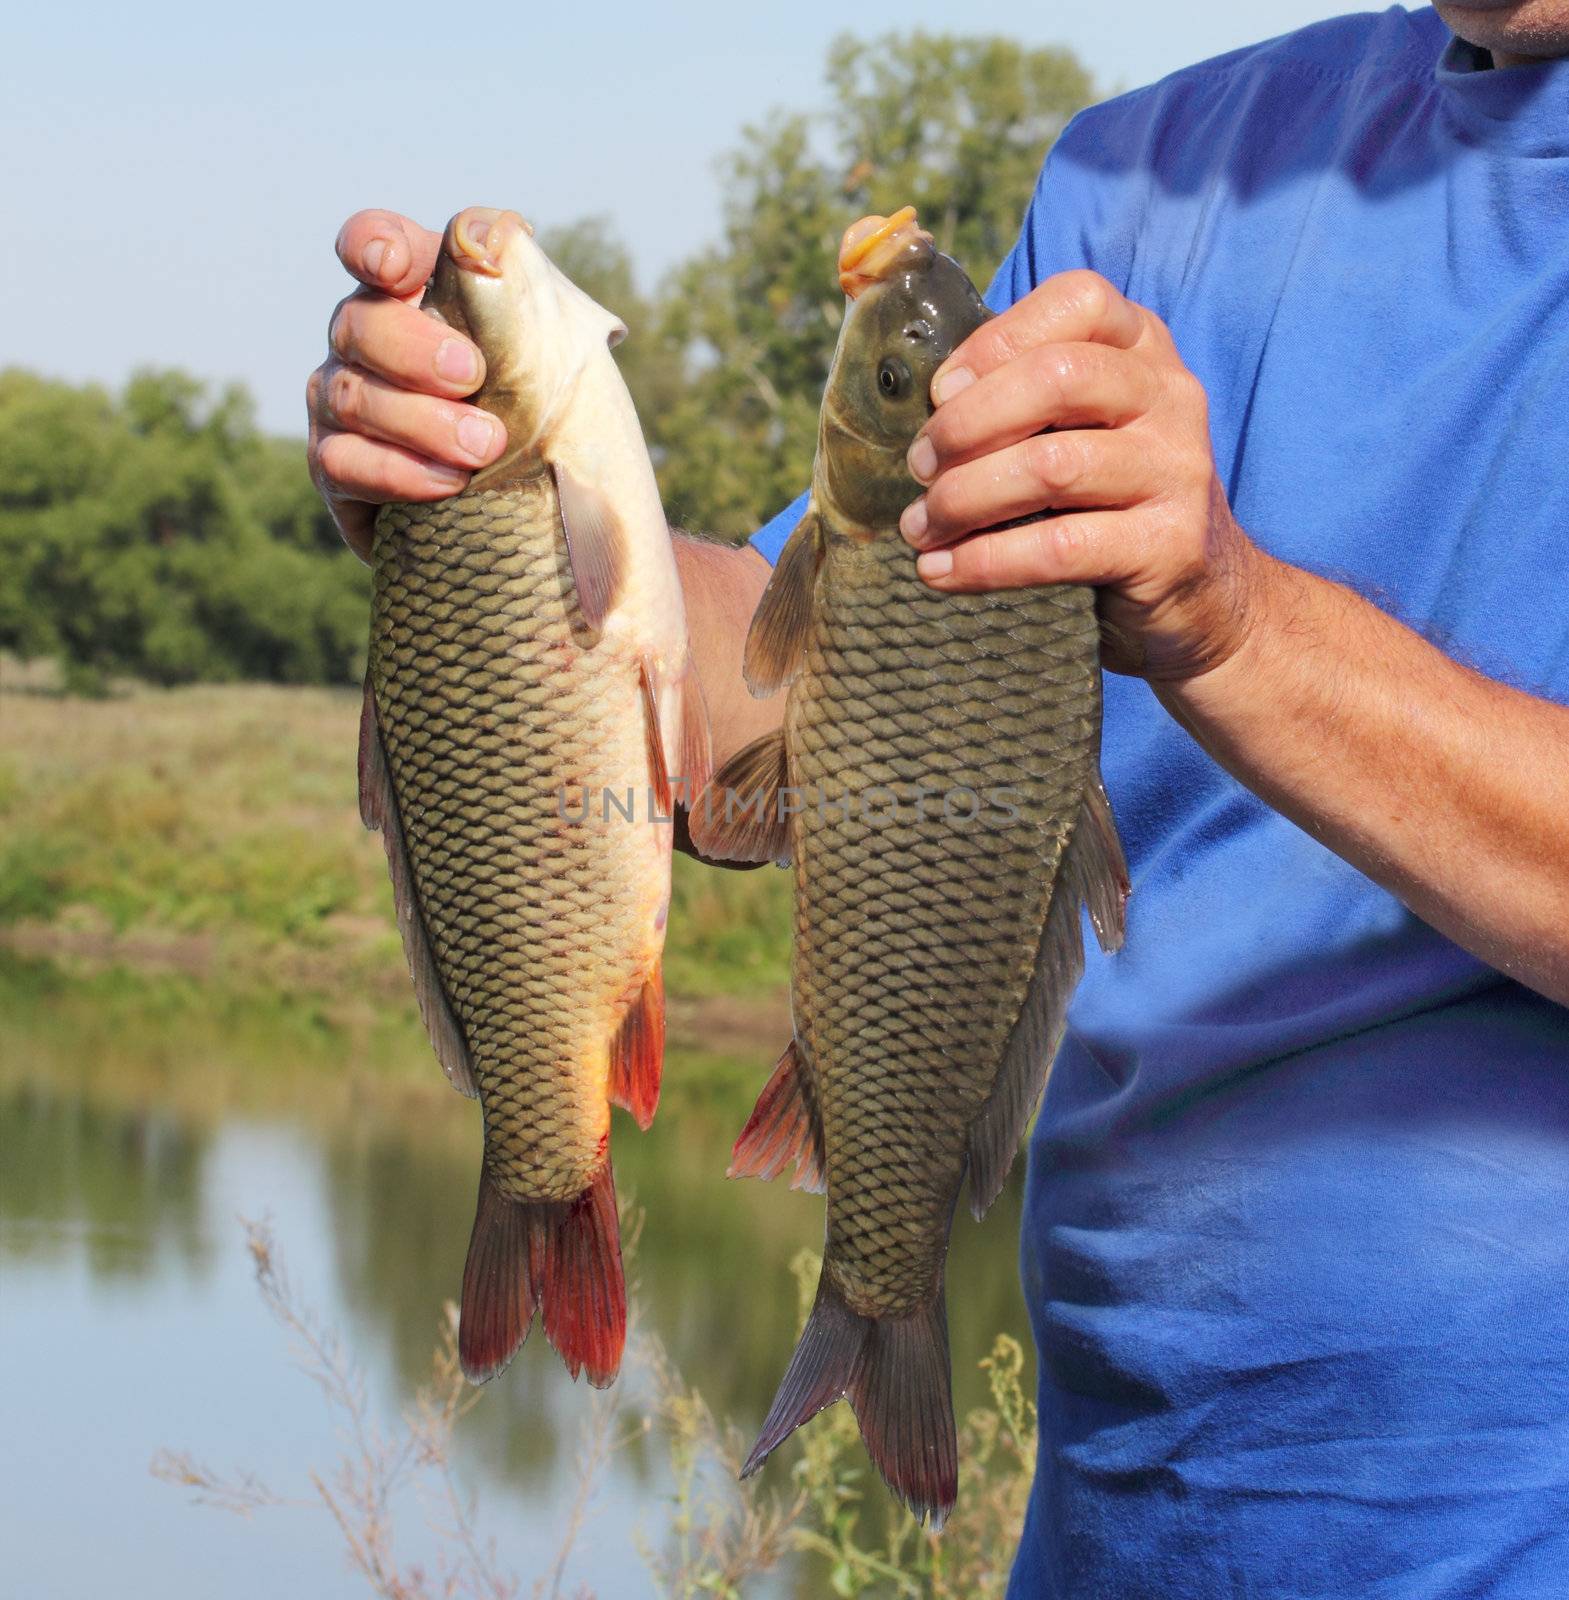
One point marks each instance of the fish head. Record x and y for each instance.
(536, 329)
(910, 307)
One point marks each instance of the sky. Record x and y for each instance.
(175, 174)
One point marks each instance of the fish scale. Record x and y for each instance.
(916, 939)
(535, 923)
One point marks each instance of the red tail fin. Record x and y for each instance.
(562, 1257)
(895, 1375)
(638, 1051)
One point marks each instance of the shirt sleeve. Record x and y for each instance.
(1075, 218)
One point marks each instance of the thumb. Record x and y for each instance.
(388, 252)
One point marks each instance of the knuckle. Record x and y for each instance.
(341, 331)
(332, 457)
(1052, 462)
(1089, 292)
(345, 397)
(1063, 542)
(313, 394)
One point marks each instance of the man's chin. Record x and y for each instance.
(1514, 30)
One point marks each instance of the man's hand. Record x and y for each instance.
(1125, 477)
(386, 422)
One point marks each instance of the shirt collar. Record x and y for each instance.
(1524, 109)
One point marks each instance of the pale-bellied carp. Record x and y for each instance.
(530, 707)
(937, 786)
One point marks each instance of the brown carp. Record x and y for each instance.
(530, 709)
(937, 786)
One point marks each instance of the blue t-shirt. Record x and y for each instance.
(1296, 1241)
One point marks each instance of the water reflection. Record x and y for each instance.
(133, 1128)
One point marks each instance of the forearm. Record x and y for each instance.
(721, 584)
(1446, 787)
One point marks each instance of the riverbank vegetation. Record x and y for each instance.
(156, 532)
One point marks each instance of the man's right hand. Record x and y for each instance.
(386, 418)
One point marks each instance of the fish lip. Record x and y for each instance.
(873, 248)
(478, 238)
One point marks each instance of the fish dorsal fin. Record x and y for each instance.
(776, 641)
(739, 816)
(1093, 874)
(379, 810)
(596, 545)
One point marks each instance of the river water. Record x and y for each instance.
(139, 1123)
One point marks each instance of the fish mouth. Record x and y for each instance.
(479, 236)
(873, 247)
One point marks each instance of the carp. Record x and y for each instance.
(531, 711)
(936, 785)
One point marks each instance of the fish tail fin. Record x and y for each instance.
(562, 1258)
(895, 1374)
(582, 1293)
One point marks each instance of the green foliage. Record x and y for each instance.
(956, 127)
(159, 535)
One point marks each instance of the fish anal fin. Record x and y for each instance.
(776, 640)
(637, 1052)
(596, 545)
(895, 1374)
(784, 1127)
(1092, 874)
(561, 1258)
(740, 815)
(379, 810)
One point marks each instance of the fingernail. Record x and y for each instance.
(934, 564)
(922, 460)
(912, 524)
(458, 361)
(477, 435)
(951, 383)
(375, 254)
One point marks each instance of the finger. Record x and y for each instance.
(1071, 308)
(400, 343)
(343, 398)
(1049, 386)
(1094, 468)
(387, 251)
(1087, 547)
(349, 466)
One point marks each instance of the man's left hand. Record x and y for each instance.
(1074, 404)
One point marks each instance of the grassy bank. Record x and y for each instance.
(215, 832)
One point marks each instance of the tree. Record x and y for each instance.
(957, 127)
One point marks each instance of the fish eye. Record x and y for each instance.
(893, 377)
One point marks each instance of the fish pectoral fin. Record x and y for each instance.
(776, 641)
(1104, 869)
(895, 1374)
(637, 1052)
(1093, 874)
(596, 545)
(675, 720)
(784, 1127)
(379, 810)
(740, 816)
